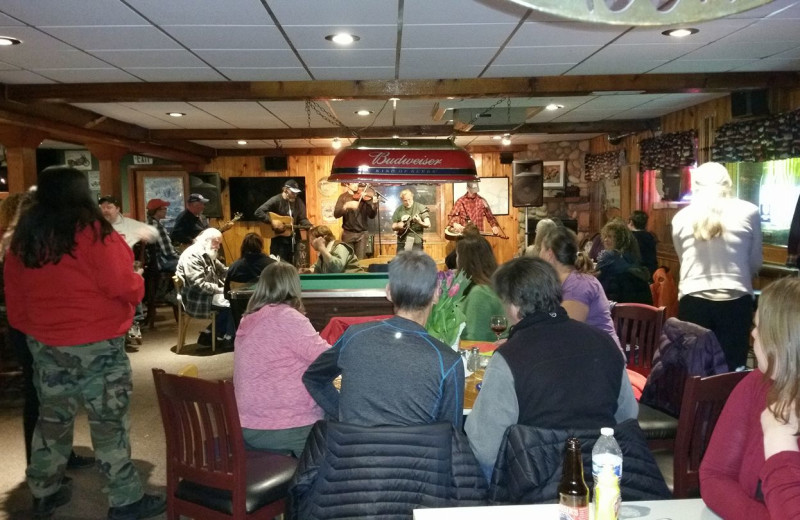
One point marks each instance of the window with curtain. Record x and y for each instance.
(773, 186)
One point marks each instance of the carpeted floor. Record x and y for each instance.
(147, 433)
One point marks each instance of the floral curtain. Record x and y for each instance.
(603, 165)
(759, 140)
(675, 150)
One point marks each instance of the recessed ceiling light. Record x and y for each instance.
(342, 38)
(553, 106)
(175, 114)
(506, 140)
(336, 143)
(395, 136)
(497, 137)
(6, 41)
(363, 112)
(394, 99)
(680, 33)
(241, 142)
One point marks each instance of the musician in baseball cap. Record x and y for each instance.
(286, 214)
(167, 257)
(191, 221)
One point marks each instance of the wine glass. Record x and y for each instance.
(498, 324)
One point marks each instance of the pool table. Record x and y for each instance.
(328, 295)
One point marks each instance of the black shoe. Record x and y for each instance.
(77, 462)
(204, 339)
(43, 508)
(145, 507)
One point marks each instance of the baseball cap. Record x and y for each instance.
(196, 197)
(156, 203)
(292, 185)
(109, 198)
(474, 184)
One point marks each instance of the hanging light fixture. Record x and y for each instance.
(641, 12)
(400, 161)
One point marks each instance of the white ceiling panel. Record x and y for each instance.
(768, 65)
(241, 114)
(709, 32)
(176, 74)
(371, 37)
(645, 51)
(52, 59)
(71, 12)
(432, 36)
(148, 58)
(691, 66)
(614, 65)
(507, 71)
(774, 8)
(75, 75)
(7, 21)
(537, 34)
(114, 38)
(265, 58)
(621, 102)
(770, 29)
(228, 36)
(133, 115)
(545, 55)
(203, 12)
(461, 12)
(335, 13)
(348, 58)
(264, 73)
(746, 50)
(446, 61)
(22, 77)
(352, 73)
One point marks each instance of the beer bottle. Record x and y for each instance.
(573, 494)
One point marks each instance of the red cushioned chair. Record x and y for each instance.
(639, 330)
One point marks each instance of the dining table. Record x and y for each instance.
(682, 509)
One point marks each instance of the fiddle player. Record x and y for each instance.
(471, 207)
(409, 220)
(355, 207)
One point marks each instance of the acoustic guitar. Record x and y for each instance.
(288, 222)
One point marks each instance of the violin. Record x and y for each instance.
(364, 193)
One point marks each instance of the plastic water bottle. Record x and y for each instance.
(606, 452)
(606, 495)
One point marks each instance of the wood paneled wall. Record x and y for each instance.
(315, 168)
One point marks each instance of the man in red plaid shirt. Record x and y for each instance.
(471, 207)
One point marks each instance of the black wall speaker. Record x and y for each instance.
(276, 164)
(747, 103)
(527, 182)
(506, 157)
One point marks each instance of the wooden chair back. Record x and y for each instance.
(206, 457)
(638, 327)
(703, 400)
(184, 318)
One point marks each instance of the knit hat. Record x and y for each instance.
(711, 177)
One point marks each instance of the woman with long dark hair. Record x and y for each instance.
(475, 258)
(275, 344)
(70, 278)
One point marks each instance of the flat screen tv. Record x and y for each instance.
(248, 193)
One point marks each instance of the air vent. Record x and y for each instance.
(491, 119)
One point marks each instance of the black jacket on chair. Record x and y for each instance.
(349, 471)
(529, 464)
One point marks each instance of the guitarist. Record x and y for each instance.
(286, 204)
(409, 220)
(471, 207)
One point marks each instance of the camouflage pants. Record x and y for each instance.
(97, 375)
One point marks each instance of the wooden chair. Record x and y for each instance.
(639, 330)
(153, 280)
(703, 399)
(184, 318)
(210, 475)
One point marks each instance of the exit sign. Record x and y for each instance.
(141, 159)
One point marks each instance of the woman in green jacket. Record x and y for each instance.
(474, 256)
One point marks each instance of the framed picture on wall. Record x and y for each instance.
(554, 173)
(209, 186)
(78, 159)
(426, 194)
(493, 189)
(169, 186)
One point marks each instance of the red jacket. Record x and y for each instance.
(84, 298)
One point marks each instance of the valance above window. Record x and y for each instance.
(668, 151)
(759, 140)
(603, 165)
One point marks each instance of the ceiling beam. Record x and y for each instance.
(417, 89)
(226, 134)
(283, 152)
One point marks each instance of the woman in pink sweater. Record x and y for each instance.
(275, 344)
(751, 469)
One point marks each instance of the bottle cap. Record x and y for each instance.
(607, 431)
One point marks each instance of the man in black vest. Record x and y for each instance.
(553, 372)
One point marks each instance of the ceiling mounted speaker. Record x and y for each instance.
(506, 157)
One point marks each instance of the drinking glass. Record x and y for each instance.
(498, 324)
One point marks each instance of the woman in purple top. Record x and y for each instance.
(583, 296)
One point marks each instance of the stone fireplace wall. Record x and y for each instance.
(557, 204)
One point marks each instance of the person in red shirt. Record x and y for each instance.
(751, 469)
(70, 278)
(471, 207)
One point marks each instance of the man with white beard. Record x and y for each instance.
(203, 278)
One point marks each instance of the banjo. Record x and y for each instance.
(451, 234)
